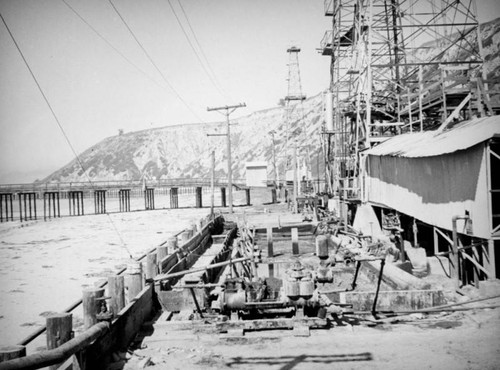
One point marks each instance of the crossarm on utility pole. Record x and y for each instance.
(228, 110)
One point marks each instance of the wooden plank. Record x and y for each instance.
(393, 300)
(247, 325)
(475, 263)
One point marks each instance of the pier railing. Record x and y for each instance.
(116, 184)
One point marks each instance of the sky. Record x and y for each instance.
(101, 74)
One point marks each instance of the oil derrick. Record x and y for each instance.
(293, 107)
(396, 67)
(293, 117)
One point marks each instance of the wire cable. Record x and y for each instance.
(111, 45)
(213, 78)
(61, 128)
(153, 63)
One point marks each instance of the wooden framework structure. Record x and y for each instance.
(398, 66)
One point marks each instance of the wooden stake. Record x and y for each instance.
(161, 253)
(151, 268)
(133, 281)
(91, 306)
(59, 330)
(270, 252)
(171, 245)
(12, 352)
(295, 240)
(116, 290)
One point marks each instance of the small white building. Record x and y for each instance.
(256, 173)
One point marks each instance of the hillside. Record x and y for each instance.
(184, 150)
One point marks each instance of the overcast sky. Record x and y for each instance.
(99, 80)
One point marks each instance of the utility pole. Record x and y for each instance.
(274, 160)
(212, 188)
(228, 110)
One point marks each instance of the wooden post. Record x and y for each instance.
(223, 197)
(490, 260)
(11, 352)
(185, 236)
(295, 240)
(161, 253)
(59, 331)
(116, 290)
(91, 306)
(247, 191)
(133, 281)
(171, 245)
(454, 258)
(151, 269)
(270, 252)
(199, 197)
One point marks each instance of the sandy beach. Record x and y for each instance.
(44, 266)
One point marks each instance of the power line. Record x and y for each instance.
(210, 74)
(111, 45)
(58, 123)
(153, 63)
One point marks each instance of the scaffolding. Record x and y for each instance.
(396, 67)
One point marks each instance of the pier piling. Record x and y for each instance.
(91, 305)
(116, 292)
(75, 199)
(174, 198)
(59, 330)
(51, 205)
(199, 199)
(6, 207)
(27, 206)
(151, 267)
(171, 245)
(149, 198)
(124, 198)
(133, 281)
(100, 201)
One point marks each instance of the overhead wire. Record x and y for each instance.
(111, 45)
(205, 65)
(60, 126)
(153, 62)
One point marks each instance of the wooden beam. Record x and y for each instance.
(465, 255)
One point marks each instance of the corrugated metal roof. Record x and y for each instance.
(432, 143)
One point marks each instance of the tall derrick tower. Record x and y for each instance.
(293, 117)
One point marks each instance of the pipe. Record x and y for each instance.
(429, 310)
(59, 354)
(185, 272)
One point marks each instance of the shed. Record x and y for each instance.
(256, 173)
(433, 176)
